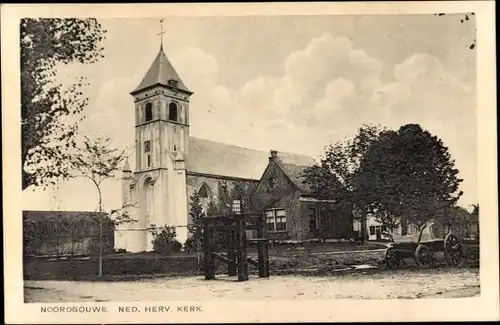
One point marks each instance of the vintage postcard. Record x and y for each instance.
(280, 162)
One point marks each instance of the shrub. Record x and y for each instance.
(164, 241)
(192, 245)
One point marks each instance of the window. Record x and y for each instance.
(276, 219)
(147, 146)
(149, 160)
(313, 219)
(203, 192)
(372, 230)
(280, 220)
(172, 83)
(236, 208)
(172, 112)
(271, 182)
(149, 112)
(270, 220)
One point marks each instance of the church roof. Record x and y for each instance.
(160, 72)
(215, 158)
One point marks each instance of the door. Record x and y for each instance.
(378, 232)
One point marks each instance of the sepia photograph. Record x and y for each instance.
(266, 158)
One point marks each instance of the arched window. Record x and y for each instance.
(149, 112)
(203, 192)
(204, 195)
(172, 112)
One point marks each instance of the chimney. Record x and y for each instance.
(274, 154)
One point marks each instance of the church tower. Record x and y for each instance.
(158, 186)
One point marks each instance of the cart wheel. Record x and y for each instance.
(392, 259)
(423, 256)
(452, 250)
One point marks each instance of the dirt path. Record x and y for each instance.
(361, 285)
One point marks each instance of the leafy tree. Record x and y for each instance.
(48, 110)
(458, 220)
(196, 210)
(239, 192)
(211, 208)
(475, 210)
(375, 180)
(409, 174)
(195, 228)
(335, 177)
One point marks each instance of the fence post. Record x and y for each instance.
(231, 254)
(263, 248)
(208, 263)
(241, 242)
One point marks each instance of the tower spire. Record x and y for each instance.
(161, 34)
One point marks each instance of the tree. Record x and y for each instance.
(409, 174)
(334, 178)
(475, 210)
(195, 228)
(48, 110)
(241, 193)
(98, 161)
(375, 181)
(211, 208)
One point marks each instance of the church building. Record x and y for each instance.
(170, 165)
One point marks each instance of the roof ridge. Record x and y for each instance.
(251, 149)
(226, 144)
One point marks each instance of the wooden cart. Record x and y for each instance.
(423, 249)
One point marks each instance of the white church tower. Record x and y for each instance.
(157, 187)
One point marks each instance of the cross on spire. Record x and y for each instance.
(161, 33)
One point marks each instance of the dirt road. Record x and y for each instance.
(410, 283)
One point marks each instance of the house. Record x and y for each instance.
(375, 228)
(291, 211)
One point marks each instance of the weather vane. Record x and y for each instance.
(161, 33)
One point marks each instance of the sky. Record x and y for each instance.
(290, 83)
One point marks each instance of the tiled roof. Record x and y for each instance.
(160, 72)
(296, 174)
(215, 158)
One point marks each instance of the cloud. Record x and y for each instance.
(329, 73)
(325, 92)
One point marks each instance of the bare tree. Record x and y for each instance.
(97, 160)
